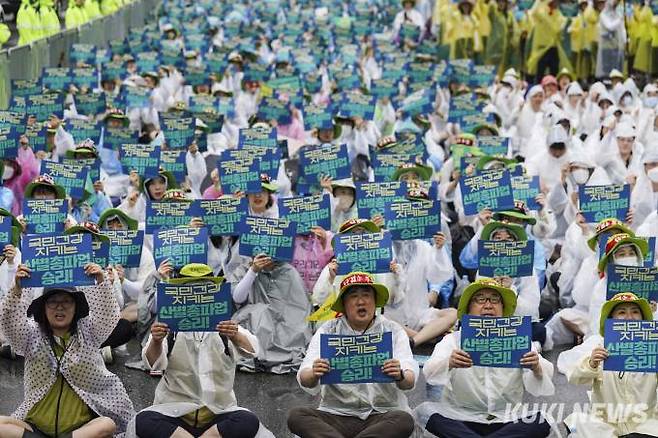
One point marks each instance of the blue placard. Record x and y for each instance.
(72, 178)
(325, 160)
(113, 138)
(496, 342)
(273, 237)
(142, 158)
(274, 109)
(307, 212)
(168, 214)
(526, 189)
(269, 159)
(125, 247)
(43, 106)
(85, 78)
(174, 162)
(57, 260)
(13, 119)
(368, 252)
(650, 257)
(491, 189)
(358, 105)
(408, 220)
(9, 143)
(632, 345)
(493, 145)
(381, 88)
(37, 137)
(84, 129)
(45, 216)
(239, 174)
(372, 198)
(5, 233)
(137, 97)
(318, 117)
(23, 87)
(420, 102)
(56, 78)
(257, 137)
(93, 166)
(384, 164)
(83, 53)
(356, 359)
(223, 216)
(501, 258)
(194, 307)
(602, 202)
(179, 133)
(100, 252)
(642, 281)
(181, 246)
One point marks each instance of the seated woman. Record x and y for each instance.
(275, 310)
(196, 397)
(631, 394)
(68, 390)
(475, 400)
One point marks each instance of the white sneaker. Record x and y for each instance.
(106, 352)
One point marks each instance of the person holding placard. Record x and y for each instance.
(343, 200)
(151, 188)
(629, 397)
(196, 399)
(474, 398)
(359, 409)
(274, 307)
(67, 387)
(623, 163)
(327, 284)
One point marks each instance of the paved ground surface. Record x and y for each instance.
(268, 396)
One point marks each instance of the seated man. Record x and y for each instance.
(196, 398)
(365, 409)
(475, 400)
(631, 394)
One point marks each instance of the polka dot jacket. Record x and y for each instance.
(82, 365)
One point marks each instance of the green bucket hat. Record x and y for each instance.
(516, 230)
(519, 212)
(117, 114)
(115, 213)
(482, 126)
(360, 279)
(606, 225)
(350, 224)
(168, 177)
(44, 181)
(614, 242)
(86, 147)
(88, 227)
(486, 162)
(195, 272)
(267, 184)
(423, 172)
(621, 298)
(508, 296)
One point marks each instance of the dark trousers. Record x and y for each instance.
(449, 428)
(550, 61)
(121, 334)
(313, 423)
(236, 424)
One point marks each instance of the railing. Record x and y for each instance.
(27, 61)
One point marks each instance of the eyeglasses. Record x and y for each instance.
(65, 304)
(494, 299)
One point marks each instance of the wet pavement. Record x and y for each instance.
(268, 396)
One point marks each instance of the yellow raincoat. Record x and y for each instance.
(92, 9)
(481, 12)
(28, 23)
(49, 19)
(503, 39)
(463, 36)
(546, 32)
(5, 33)
(110, 6)
(75, 16)
(641, 23)
(581, 44)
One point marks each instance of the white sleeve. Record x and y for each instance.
(322, 288)
(196, 170)
(241, 291)
(162, 361)
(436, 370)
(312, 353)
(402, 352)
(539, 386)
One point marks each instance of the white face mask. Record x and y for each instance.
(653, 174)
(627, 101)
(627, 261)
(8, 173)
(345, 202)
(580, 176)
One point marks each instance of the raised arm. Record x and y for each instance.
(103, 306)
(14, 323)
